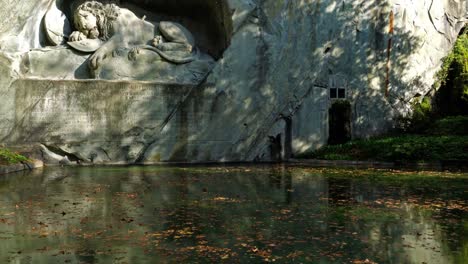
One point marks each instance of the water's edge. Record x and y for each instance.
(34, 164)
(458, 166)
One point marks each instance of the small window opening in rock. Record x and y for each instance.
(327, 50)
(341, 93)
(333, 93)
(338, 87)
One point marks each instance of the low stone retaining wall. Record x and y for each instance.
(21, 167)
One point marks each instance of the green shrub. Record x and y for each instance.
(335, 156)
(7, 157)
(422, 116)
(453, 125)
(457, 58)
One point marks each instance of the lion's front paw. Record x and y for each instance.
(77, 36)
(97, 58)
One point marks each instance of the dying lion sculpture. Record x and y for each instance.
(106, 28)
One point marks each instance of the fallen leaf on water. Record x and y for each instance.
(367, 261)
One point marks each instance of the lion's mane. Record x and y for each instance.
(104, 14)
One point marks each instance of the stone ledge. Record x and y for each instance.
(34, 164)
(104, 82)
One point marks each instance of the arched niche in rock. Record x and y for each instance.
(209, 20)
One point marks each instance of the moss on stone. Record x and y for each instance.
(8, 157)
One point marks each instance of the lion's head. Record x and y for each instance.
(100, 24)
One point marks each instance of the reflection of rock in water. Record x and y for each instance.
(54, 176)
(139, 212)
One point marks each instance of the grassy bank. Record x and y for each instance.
(402, 148)
(8, 157)
(444, 139)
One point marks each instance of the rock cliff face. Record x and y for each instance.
(268, 95)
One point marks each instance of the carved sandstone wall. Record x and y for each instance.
(273, 79)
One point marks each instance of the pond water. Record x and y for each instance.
(232, 214)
